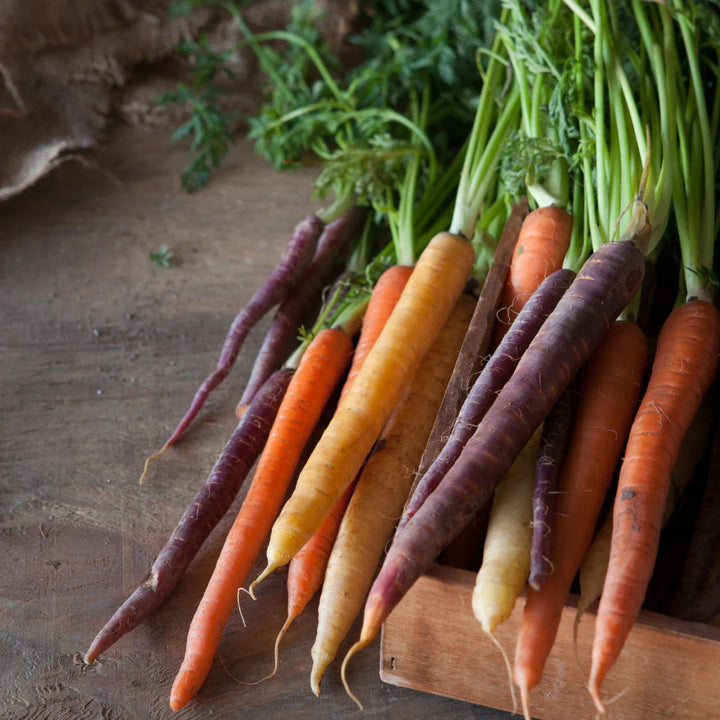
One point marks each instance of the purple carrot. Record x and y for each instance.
(299, 307)
(494, 375)
(276, 288)
(553, 445)
(694, 601)
(201, 516)
(582, 318)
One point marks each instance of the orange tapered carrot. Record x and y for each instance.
(685, 364)
(540, 250)
(432, 291)
(319, 371)
(609, 392)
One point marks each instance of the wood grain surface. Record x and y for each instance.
(100, 352)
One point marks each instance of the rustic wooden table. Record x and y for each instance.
(100, 351)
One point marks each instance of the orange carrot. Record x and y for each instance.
(319, 371)
(432, 291)
(609, 392)
(685, 364)
(540, 250)
(384, 297)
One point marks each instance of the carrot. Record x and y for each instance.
(380, 492)
(332, 248)
(429, 296)
(280, 283)
(540, 250)
(476, 345)
(685, 364)
(209, 505)
(506, 552)
(307, 569)
(319, 371)
(608, 395)
(593, 568)
(582, 318)
(551, 452)
(688, 346)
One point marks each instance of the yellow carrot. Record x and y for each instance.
(380, 493)
(434, 287)
(506, 554)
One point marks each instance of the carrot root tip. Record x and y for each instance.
(149, 459)
(359, 645)
(594, 690)
(251, 590)
(525, 701)
(508, 667)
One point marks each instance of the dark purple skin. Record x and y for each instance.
(494, 375)
(204, 512)
(299, 307)
(691, 601)
(276, 288)
(582, 318)
(551, 453)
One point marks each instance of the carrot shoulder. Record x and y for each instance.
(321, 367)
(429, 296)
(685, 364)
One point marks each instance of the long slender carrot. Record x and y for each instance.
(281, 282)
(540, 250)
(603, 287)
(307, 569)
(609, 392)
(319, 371)
(380, 492)
(202, 514)
(424, 306)
(298, 308)
(551, 453)
(685, 364)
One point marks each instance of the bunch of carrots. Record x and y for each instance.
(490, 368)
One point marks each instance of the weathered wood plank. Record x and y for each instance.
(432, 642)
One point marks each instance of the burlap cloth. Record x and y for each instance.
(67, 67)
